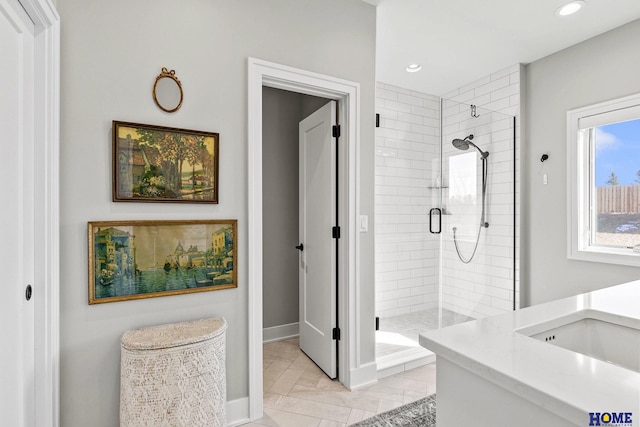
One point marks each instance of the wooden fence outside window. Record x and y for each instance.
(624, 199)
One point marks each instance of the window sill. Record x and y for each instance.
(607, 255)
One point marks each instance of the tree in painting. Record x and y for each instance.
(174, 148)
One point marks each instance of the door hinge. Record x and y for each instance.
(377, 120)
(377, 323)
(336, 131)
(335, 232)
(336, 334)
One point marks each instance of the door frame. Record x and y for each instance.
(347, 94)
(46, 216)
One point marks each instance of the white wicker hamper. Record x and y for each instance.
(174, 375)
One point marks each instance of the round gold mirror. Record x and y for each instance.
(167, 91)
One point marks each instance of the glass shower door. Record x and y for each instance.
(477, 201)
(454, 171)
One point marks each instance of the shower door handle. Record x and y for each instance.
(435, 212)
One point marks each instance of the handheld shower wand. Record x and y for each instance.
(464, 144)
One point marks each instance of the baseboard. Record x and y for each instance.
(365, 375)
(279, 333)
(238, 412)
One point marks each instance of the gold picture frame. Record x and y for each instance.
(145, 259)
(163, 164)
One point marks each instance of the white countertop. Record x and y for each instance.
(566, 383)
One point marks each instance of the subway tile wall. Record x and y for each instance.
(407, 255)
(408, 186)
(484, 287)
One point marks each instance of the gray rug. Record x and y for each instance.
(421, 413)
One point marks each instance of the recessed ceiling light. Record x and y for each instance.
(414, 68)
(570, 8)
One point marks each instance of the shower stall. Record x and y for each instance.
(446, 219)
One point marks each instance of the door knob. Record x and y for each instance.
(300, 247)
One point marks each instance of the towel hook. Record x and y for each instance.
(473, 112)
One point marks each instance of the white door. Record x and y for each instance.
(317, 265)
(16, 216)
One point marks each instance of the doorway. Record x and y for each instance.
(347, 95)
(30, 53)
(288, 218)
(17, 311)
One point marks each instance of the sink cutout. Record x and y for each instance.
(609, 338)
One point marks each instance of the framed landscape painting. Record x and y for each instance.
(144, 259)
(162, 164)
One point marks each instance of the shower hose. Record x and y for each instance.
(483, 224)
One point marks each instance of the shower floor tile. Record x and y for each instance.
(400, 333)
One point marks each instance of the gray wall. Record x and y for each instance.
(596, 70)
(281, 113)
(111, 53)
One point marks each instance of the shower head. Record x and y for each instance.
(463, 144)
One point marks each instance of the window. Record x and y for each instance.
(604, 182)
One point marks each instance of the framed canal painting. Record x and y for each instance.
(144, 259)
(161, 164)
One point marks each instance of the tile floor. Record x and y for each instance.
(298, 394)
(399, 333)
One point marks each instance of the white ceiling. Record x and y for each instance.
(460, 41)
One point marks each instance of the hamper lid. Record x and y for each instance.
(173, 334)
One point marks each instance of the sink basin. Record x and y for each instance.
(601, 335)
